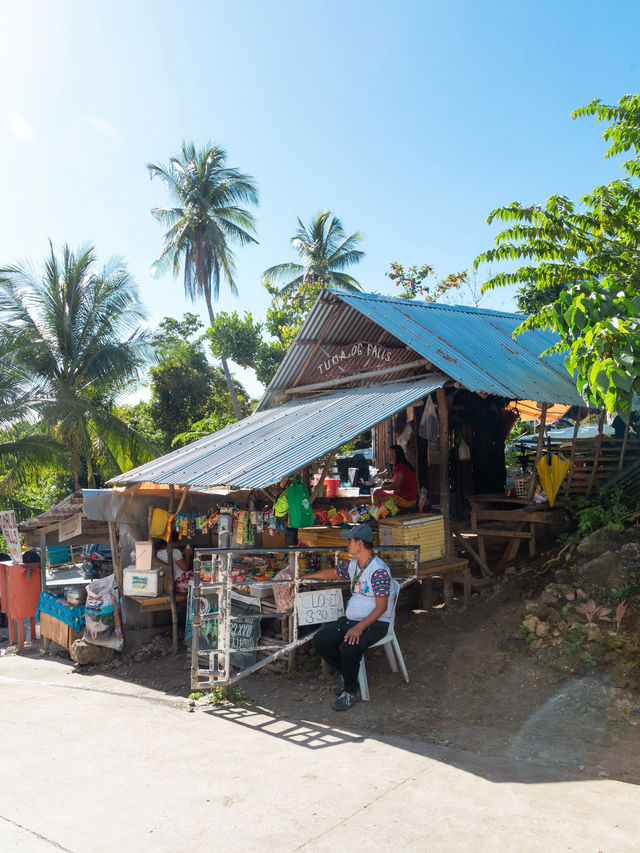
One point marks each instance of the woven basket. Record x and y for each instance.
(522, 485)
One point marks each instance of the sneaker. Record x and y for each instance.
(339, 690)
(344, 702)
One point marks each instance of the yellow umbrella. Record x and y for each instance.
(552, 469)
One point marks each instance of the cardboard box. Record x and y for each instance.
(144, 555)
(142, 584)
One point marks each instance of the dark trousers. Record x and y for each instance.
(329, 642)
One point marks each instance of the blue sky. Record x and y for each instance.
(409, 120)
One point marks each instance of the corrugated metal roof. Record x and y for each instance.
(272, 444)
(474, 346)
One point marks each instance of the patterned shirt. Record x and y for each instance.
(371, 583)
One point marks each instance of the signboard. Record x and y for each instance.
(319, 605)
(359, 352)
(10, 532)
(70, 528)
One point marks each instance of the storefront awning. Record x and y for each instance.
(269, 445)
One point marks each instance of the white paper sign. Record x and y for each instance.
(10, 532)
(319, 605)
(70, 527)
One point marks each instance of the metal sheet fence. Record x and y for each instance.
(212, 667)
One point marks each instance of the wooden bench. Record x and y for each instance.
(149, 606)
(449, 569)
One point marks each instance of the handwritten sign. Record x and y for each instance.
(360, 349)
(319, 605)
(10, 532)
(70, 527)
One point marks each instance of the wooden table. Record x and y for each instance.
(522, 513)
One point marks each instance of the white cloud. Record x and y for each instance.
(104, 128)
(20, 127)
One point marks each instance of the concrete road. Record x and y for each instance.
(90, 763)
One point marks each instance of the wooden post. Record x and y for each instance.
(596, 456)
(172, 592)
(325, 470)
(624, 443)
(43, 563)
(576, 427)
(443, 418)
(115, 555)
(543, 422)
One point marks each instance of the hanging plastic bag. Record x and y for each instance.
(284, 593)
(429, 428)
(281, 506)
(103, 625)
(300, 512)
(405, 436)
(464, 454)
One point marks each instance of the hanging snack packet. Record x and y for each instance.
(383, 512)
(335, 519)
(391, 506)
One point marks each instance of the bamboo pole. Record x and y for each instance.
(445, 502)
(115, 555)
(543, 423)
(596, 457)
(325, 470)
(172, 592)
(576, 427)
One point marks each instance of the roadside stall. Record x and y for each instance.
(60, 533)
(440, 382)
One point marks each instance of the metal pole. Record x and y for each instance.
(195, 623)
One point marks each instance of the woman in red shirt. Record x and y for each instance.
(404, 489)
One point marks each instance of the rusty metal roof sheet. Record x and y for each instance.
(269, 445)
(474, 346)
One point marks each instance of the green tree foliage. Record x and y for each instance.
(582, 276)
(185, 387)
(75, 335)
(324, 252)
(262, 345)
(24, 447)
(207, 219)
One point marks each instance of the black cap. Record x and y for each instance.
(360, 531)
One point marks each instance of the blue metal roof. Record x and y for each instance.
(474, 346)
(269, 445)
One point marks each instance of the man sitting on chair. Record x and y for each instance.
(343, 642)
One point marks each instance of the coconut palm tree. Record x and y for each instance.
(207, 220)
(24, 449)
(74, 331)
(324, 251)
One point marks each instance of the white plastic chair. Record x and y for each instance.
(391, 647)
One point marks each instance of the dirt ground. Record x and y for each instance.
(473, 685)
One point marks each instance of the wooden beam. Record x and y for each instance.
(596, 457)
(332, 316)
(484, 568)
(624, 443)
(574, 438)
(445, 503)
(356, 377)
(183, 498)
(325, 470)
